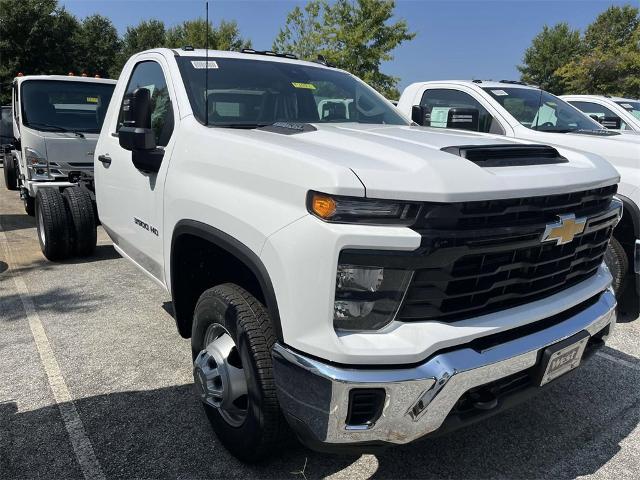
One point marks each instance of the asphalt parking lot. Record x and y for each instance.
(96, 382)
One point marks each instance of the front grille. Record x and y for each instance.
(481, 257)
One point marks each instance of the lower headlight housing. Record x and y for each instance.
(367, 297)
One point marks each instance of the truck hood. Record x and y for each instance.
(403, 162)
(69, 149)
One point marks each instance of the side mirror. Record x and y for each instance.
(419, 114)
(464, 119)
(595, 117)
(136, 134)
(614, 123)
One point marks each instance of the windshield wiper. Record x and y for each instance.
(241, 125)
(56, 128)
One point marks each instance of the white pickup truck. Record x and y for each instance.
(524, 112)
(616, 113)
(340, 272)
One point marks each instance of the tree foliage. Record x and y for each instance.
(355, 35)
(36, 37)
(96, 43)
(146, 35)
(606, 62)
(551, 49)
(193, 32)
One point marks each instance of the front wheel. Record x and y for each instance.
(53, 224)
(616, 259)
(10, 173)
(231, 345)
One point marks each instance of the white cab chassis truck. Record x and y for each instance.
(340, 272)
(616, 113)
(56, 122)
(530, 114)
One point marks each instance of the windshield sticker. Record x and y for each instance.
(626, 105)
(439, 117)
(308, 86)
(500, 93)
(202, 64)
(92, 99)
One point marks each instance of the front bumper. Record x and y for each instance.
(314, 395)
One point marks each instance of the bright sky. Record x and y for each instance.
(458, 39)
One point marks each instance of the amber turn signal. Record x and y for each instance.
(323, 205)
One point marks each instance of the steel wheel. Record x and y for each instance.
(41, 231)
(220, 377)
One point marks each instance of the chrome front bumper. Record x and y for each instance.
(315, 395)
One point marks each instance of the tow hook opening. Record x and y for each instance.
(365, 407)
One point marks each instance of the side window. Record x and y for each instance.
(438, 101)
(597, 111)
(148, 74)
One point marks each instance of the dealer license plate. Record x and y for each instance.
(563, 357)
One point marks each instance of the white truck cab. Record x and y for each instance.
(524, 112)
(56, 123)
(339, 270)
(615, 113)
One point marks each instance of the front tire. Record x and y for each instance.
(83, 223)
(52, 224)
(10, 173)
(229, 322)
(616, 259)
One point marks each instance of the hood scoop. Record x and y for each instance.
(289, 128)
(507, 155)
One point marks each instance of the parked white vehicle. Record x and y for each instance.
(56, 121)
(616, 113)
(528, 113)
(366, 281)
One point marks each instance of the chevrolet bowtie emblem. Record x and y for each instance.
(564, 230)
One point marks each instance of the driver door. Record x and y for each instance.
(130, 201)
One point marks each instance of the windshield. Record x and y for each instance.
(250, 93)
(61, 106)
(539, 110)
(632, 107)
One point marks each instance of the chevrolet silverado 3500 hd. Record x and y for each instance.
(528, 113)
(340, 272)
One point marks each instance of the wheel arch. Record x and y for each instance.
(235, 251)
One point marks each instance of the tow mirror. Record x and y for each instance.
(464, 119)
(136, 134)
(614, 123)
(419, 115)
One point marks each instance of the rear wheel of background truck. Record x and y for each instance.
(29, 204)
(83, 223)
(10, 173)
(231, 345)
(53, 224)
(618, 263)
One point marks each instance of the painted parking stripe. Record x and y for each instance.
(80, 442)
(620, 361)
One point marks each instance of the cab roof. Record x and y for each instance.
(482, 83)
(615, 99)
(65, 78)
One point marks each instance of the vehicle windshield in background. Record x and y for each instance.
(65, 106)
(539, 110)
(632, 107)
(253, 93)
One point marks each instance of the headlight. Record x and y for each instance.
(367, 297)
(33, 157)
(339, 209)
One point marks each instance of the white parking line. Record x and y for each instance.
(620, 361)
(80, 442)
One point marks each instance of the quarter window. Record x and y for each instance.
(438, 101)
(148, 74)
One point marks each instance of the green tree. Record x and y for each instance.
(193, 32)
(610, 63)
(551, 49)
(36, 37)
(97, 45)
(356, 36)
(144, 36)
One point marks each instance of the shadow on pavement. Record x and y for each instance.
(572, 429)
(16, 221)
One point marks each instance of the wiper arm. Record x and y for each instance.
(241, 125)
(57, 128)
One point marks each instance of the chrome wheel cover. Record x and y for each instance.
(219, 377)
(41, 227)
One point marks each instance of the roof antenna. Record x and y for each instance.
(206, 66)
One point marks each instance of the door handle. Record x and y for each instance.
(105, 159)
